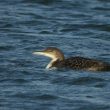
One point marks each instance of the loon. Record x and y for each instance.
(76, 63)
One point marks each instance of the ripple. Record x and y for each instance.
(47, 97)
(60, 80)
(100, 85)
(104, 1)
(85, 80)
(6, 25)
(6, 48)
(69, 29)
(42, 2)
(102, 8)
(78, 81)
(101, 27)
(36, 97)
(45, 32)
(20, 81)
(21, 62)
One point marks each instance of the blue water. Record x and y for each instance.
(78, 28)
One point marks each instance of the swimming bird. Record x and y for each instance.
(77, 63)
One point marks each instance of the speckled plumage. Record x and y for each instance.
(59, 61)
(82, 63)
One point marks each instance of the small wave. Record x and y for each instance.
(78, 81)
(38, 97)
(85, 80)
(6, 48)
(47, 97)
(20, 80)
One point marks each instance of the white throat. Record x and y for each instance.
(48, 55)
(50, 63)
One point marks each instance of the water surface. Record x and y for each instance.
(77, 28)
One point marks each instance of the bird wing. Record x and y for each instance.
(84, 63)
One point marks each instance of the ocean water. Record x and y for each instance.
(78, 28)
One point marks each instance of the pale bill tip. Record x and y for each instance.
(37, 53)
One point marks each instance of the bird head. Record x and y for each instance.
(51, 52)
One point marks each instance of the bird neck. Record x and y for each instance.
(58, 57)
(51, 63)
